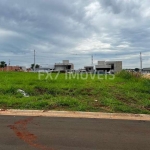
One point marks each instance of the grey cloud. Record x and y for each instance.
(54, 26)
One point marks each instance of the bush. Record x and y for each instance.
(128, 75)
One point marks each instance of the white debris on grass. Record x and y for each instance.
(23, 93)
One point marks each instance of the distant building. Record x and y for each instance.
(116, 66)
(13, 68)
(102, 66)
(45, 69)
(89, 68)
(81, 71)
(146, 70)
(129, 70)
(64, 66)
(109, 66)
(23, 68)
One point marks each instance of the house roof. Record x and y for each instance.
(103, 66)
(63, 64)
(88, 66)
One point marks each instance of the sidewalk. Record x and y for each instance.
(75, 114)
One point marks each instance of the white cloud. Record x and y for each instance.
(92, 9)
(92, 44)
(123, 46)
(8, 33)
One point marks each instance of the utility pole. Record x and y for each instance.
(141, 62)
(34, 60)
(92, 59)
(8, 65)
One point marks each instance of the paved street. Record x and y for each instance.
(48, 133)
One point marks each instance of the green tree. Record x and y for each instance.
(3, 64)
(137, 69)
(32, 66)
(36, 66)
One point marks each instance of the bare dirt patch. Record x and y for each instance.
(21, 131)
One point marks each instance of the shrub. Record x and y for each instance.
(128, 75)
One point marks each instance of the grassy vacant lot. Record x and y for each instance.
(126, 93)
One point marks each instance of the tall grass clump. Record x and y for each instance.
(129, 75)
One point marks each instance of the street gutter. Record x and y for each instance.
(75, 114)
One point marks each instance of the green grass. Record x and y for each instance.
(127, 93)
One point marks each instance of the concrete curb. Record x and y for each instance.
(75, 114)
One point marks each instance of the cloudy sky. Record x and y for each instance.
(75, 30)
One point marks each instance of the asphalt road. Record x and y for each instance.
(47, 133)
